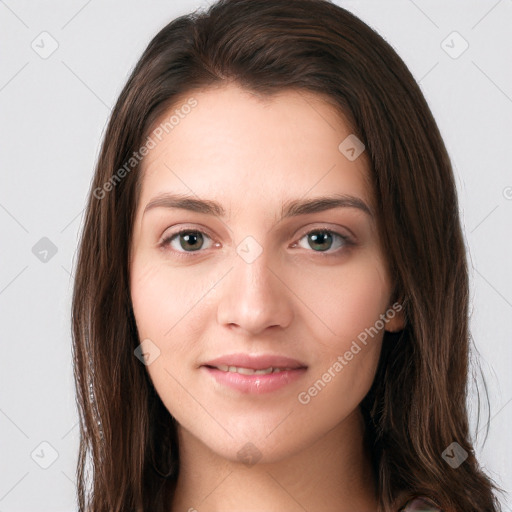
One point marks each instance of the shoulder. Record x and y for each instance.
(420, 504)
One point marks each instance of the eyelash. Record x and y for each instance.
(346, 241)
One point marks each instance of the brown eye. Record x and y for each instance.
(187, 241)
(321, 240)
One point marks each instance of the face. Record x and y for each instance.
(251, 279)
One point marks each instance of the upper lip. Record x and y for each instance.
(255, 362)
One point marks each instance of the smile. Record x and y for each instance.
(251, 381)
(249, 371)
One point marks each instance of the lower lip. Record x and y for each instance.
(255, 384)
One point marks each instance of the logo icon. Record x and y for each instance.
(455, 455)
(44, 45)
(147, 352)
(351, 147)
(249, 454)
(249, 249)
(44, 455)
(454, 45)
(44, 250)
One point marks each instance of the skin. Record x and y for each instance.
(252, 155)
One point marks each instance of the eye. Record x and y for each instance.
(322, 240)
(186, 240)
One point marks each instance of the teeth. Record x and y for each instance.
(249, 371)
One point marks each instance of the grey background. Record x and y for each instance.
(54, 111)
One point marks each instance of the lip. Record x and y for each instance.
(255, 384)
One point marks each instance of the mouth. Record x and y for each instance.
(248, 371)
(254, 374)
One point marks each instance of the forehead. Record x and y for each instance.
(232, 142)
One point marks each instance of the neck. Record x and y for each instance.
(333, 474)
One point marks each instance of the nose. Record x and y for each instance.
(255, 296)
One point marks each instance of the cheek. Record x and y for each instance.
(165, 304)
(349, 353)
(164, 299)
(347, 303)
(171, 309)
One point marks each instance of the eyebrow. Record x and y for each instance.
(291, 208)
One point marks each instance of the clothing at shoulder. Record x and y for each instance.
(420, 504)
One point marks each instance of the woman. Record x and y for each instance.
(270, 309)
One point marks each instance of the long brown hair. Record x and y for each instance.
(416, 408)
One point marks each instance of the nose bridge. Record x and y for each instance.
(253, 297)
(253, 270)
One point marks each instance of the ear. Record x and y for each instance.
(395, 316)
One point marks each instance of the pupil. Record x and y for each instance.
(318, 239)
